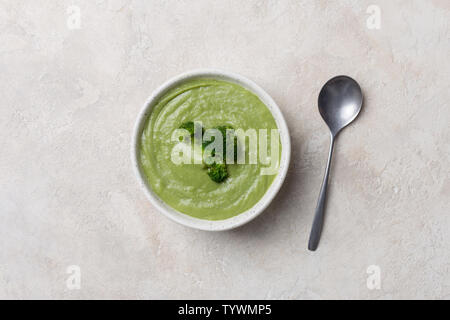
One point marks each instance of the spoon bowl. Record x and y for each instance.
(340, 102)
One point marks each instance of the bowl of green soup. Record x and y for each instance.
(210, 149)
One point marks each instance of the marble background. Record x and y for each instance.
(69, 99)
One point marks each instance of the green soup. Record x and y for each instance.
(186, 187)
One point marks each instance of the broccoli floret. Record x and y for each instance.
(223, 131)
(218, 172)
(205, 144)
(189, 126)
(208, 159)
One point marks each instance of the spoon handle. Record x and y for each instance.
(320, 209)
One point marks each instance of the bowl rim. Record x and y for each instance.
(263, 203)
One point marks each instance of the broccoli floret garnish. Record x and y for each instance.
(218, 172)
(223, 130)
(189, 126)
(205, 144)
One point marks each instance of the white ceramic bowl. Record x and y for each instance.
(262, 204)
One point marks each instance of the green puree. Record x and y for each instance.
(186, 187)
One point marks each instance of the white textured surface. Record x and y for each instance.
(68, 196)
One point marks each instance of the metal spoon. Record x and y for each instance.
(340, 102)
